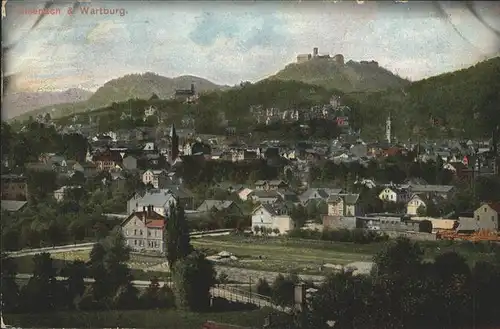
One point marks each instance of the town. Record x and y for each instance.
(332, 194)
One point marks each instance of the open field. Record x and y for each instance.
(280, 255)
(166, 319)
(137, 264)
(264, 257)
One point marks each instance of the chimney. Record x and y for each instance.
(144, 214)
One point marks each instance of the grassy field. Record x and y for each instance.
(277, 254)
(166, 319)
(137, 264)
(280, 255)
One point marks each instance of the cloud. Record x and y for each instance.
(104, 31)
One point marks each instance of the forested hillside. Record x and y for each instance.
(462, 103)
(350, 77)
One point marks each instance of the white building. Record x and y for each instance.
(264, 216)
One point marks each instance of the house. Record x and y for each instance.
(88, 169)
(14, 187)
(183, 195)
(389, 194)
(157, 178)
(107, 160)
(288, 197)
(129, 162)
(13, 205)
(144, 230)
(264, 197)
(265, 216)
(343, 205)
(149, 111)
(318, 194)
(488, 216)
(160, 200)
(443, 191)
(229, 207)
(264, 185)
(244, 193)
(60, 193)
(415, 202)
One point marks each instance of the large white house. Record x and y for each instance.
(157, 178)
(413, 205)
(159, 200)
(265, 216)
(394, 195)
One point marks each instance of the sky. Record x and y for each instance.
(230, 42)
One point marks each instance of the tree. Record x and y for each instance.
(283, 290)
(401, 256)
(193, 276)
(263, 287)
(178, 241)
(150, 297)
(425, 226)
(126, 297)
(421, 211)
(75, 273)
(42, 293)
(8, 288)
(298, 215)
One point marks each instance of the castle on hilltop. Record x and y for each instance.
(338, 59)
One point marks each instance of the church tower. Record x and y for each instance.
(174, 151)
(388, 126)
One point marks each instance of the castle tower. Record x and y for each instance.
(174, 152)
(388, 126)
(315, 52)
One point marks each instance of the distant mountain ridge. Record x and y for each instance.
(364, 76)
(141, 86)
(19, 103)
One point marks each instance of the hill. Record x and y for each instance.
(463, 103)
(141, 86)
(16, 104)
(349, 77)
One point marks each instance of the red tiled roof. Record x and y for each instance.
(153, 219)
(495, 206)
(155, 223)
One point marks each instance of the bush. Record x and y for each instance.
(283, 290)
(263, 287)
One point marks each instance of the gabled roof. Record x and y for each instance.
(153, 219)
(208, 205)
(495, 206)
(265, 194)
(270, 209)
(431, 188)
(12, 205)
(156, 197)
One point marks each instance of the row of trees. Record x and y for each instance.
(112, 286)
(406, 291)
(79, 216)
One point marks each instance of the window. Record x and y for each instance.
(135, 242)
(477, 217)
(140, 232)
(492, 218)
(485, 210)
(135, 232)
